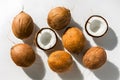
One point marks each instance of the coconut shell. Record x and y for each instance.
(22, 55)
(73, 40)
(36, 36)
(59, 18)
(88, 22)
(94, 58)
(60, 61)
(22, 25)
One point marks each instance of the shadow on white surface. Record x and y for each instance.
(37, 70)
(80, 55)
(30, 39)
(72, 24)
(75, 24)
(73, 74)
(60, 32)
(86, 47)
(108, 41)
(107, 72)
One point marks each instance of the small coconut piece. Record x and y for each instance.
(60, 61)
(46, 38)
(94, 58)
(73, 40)
(96, 26)
(22, 25)
(59, 18)
(22, 55)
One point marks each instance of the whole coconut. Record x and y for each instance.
(22, 25)
(59, 18)
(73, 40)
(94, 58)
(60, 61)
(23, 55)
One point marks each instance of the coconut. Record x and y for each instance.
(73, 40)
(22, 55)
(22, 25)
(96, 26)
(94, 58)
(60, 61)
(59, 18)
(46, 38)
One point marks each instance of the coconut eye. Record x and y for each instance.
(96, 26)
(46, 38)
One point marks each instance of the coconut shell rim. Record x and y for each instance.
(99, 17)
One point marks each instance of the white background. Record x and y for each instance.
(80, 10)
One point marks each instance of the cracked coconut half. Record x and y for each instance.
(46, 39)
(96, 26)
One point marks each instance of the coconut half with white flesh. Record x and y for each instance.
(96, 26)
(46, 38)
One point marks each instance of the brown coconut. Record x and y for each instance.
(60, 61)
(73, 40)
(22, 25)
(94, 58)
(22, 55)
(59, 18)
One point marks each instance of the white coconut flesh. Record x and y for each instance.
(46, 39)
(96, 26)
